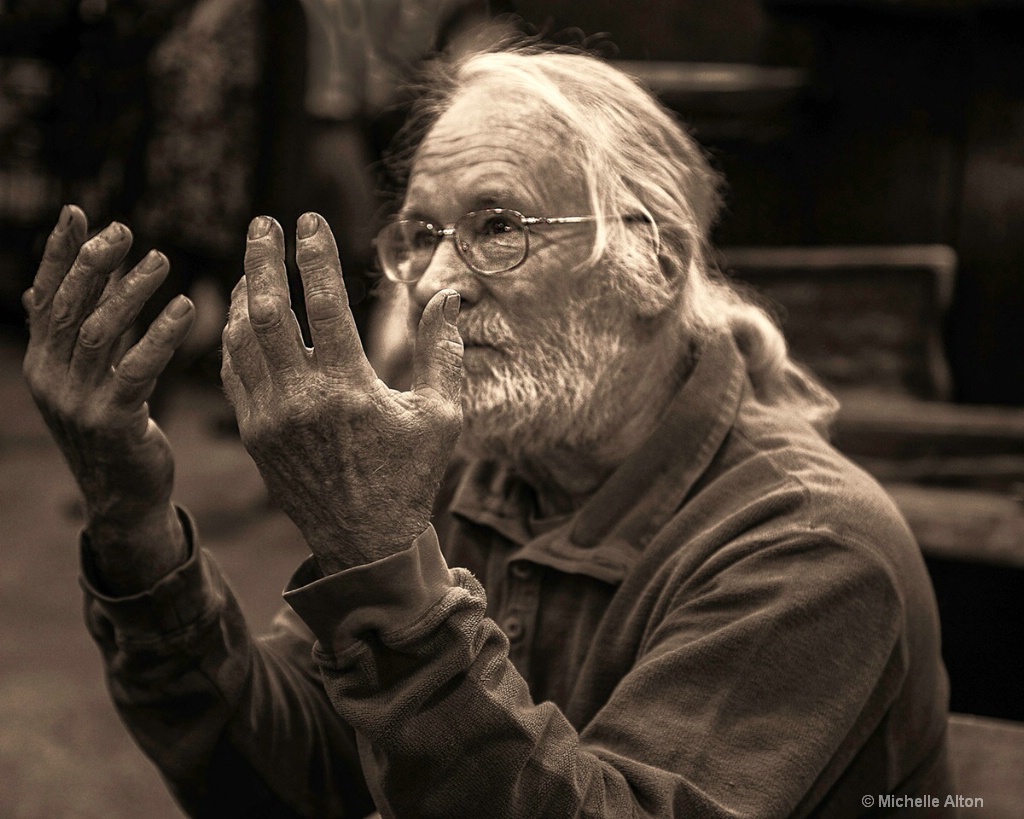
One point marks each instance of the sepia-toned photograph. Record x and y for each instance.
(511, 409)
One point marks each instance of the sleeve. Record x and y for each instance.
(237, 726)
(447, 727)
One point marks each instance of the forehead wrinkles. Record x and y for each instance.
(484, 109)
(487, 139)
(461, 151)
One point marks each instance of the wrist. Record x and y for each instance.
(348, 550)
(132, 552)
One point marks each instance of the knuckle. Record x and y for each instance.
(323, 322)
(234, 336)
(62, 311)
(132, 373)
(323, 300)
(266, 312)
(93, 333)
(295, 408)
(34, 377)
(449, 352)
(119, 308)
(54, 254)
(312, 254)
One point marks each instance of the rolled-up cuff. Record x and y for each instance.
(387, 595)
(181, 598)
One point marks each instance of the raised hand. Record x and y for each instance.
(354, 464)
(93, 399)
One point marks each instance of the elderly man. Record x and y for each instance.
(694, 606)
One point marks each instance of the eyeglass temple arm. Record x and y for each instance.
(575, 220)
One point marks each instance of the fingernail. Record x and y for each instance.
(114, 233)
(179, 307)
(308, 225)
(259, 227)
(451, 307)
(64, 220)
(153, 261)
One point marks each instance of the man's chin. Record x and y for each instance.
(489, 417)
(484, 388)
(496, 428)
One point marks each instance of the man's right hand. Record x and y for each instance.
(93, 399)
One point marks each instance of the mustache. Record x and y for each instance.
(485, 329)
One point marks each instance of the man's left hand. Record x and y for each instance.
(356, 465)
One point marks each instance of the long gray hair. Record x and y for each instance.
(635, 158)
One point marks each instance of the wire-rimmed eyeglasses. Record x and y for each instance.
(490, 241)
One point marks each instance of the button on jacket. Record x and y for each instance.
(737, 623)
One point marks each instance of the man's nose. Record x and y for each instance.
(446, 269)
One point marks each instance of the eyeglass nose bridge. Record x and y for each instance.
(450, 232)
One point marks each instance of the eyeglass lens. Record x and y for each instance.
(490, 241)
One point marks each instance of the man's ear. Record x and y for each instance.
(649, 279)
(660, 284)
(674, 256)
(643, 289)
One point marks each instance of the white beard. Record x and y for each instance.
(551, 388)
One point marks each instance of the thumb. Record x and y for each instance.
(437, 363)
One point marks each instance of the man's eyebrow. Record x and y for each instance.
(491, 198)
(412, 213)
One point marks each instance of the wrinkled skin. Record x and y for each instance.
(93, 399)
(355, 464)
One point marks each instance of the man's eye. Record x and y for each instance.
(421, 239)
(496, 225)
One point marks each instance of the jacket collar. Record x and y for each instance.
(605, 537)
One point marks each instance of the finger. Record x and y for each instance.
(248, 365)
(100, 333)
(232, 384)
(62, 246)
(437, 362)
(119, 273)
(79, 291)
(136, 374)
(269, 306)
(333, 329)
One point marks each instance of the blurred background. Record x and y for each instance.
(874, 153)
